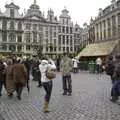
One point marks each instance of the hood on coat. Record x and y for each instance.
(44, 62)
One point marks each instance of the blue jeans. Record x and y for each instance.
(48, 89)
(115, 91)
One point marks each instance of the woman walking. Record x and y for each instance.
(47, 83)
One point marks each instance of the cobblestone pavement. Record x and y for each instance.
(89, 101)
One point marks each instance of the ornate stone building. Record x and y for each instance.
(25, 34)
(77, 37)
(103, 33)
(107, 23)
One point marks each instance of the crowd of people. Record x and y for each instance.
(15, 75)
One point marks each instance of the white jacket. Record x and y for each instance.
(43, 68)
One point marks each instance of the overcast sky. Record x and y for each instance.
(79, 10)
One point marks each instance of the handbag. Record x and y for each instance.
(50, 74)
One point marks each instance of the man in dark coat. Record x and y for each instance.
(110, 68)
(115, 91)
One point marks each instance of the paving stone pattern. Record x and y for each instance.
(89, 101)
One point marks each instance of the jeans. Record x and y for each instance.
(48, 89)
(67, 84)
(115, 91)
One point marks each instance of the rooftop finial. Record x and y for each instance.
(34, 1)
(64, 7)
(12, 1)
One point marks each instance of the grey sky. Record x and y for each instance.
(79, 10)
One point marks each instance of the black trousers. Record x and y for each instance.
(19, 88)
(39, 78)
(67, 84)
(48, 89)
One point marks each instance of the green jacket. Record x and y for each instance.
(66, 65)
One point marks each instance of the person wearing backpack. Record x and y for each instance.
(115, 91)
(47, 69)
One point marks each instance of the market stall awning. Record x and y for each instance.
(98, 49)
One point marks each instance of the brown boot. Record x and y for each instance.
(46, 108)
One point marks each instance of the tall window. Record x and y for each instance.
(27, 37)
(28, 47)
(67, 41)
(63, 49)
(59, 40)
(35, 27)
(12, 13)
(28, 26)
(12, 37)
(70, 40)
(59, 29)
(70, 29)
(55, 41)
(12, 48)
(63, 39)
(4, 36)
(67, 21)
(40, 28)
(46, 33)
(63, 29)
(67, 30)
(4, 24)
(35, 37)
(19, 26)
(12, 25)
(19, 38)
(55, 34)
(19, 48)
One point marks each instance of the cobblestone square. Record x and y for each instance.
(89, 101)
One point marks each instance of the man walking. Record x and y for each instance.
(66, 67)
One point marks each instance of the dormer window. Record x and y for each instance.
(12, 13)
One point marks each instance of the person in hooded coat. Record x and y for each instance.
(47, 83)
(19, 77)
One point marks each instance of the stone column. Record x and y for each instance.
(95, 32)
(111, 27)
(103, 37)
(117, 26)
(106, 29)
(99, 36)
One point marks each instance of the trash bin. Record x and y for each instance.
(91, 67)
